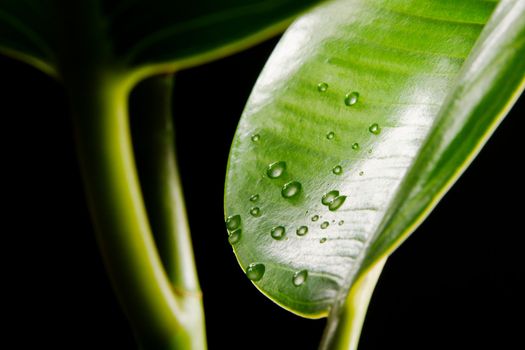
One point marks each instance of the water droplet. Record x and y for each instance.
(322, 87)
(256, 138)
(233, 222)
(355, 146)
(301, 231)
(255, 212)
(235, 236)
(374, 129)
(322, 240)
(254, 198)
(325, 224)
(255, 271)
(276, 169)
(291, 189)
(330, 135)
(278, 232)
(336, 203)
(329, 197)
(315, 217)
(337, 170)
(299, 278)
(361, 173)
(341, 222)
(351, 98)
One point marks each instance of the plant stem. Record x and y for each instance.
(154, 140)
(161, 319)
(353, 313)
(98, 89)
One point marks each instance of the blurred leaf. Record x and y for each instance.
(155, 35)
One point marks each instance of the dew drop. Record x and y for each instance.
(255, 212)
(341, 222)
(254, 198)
(330, 135)
(291, 189)
(325, 224)
(329, 197)
(322, 240)
(255, 271)
(351, 98)
(322, 87)
(355, 146)
(278, 232)
(233, 222)
(276, 169)
(301, 231)
(235, 236)
(256, 138)
(336, 203)
(299, 278)
(361, 173)
(337, 170)
(315, 217)
(374, 129)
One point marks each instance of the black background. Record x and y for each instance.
(453, 285)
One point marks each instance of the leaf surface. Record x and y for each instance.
(375, 108)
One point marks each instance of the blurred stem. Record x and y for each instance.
(161, 318)
(98, 89)
(353, 314)
(154, 140)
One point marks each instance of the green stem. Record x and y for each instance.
(98, 89)
(353, 314)
(154, 139)
(161, 319)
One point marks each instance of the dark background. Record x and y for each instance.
(453, 285)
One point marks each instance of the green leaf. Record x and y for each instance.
(26, 32)
(162, 31)
(145, 36)
(375, 108)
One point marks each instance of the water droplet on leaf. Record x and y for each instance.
(299, 278)
(375, 129)
(254, 198)
(301, 231)
(337, 170)
(355, 146)
(322, 87)
(315, 217)
(336, 203)
(329, 197)
(255, 271)
(291, 189)
(276, 169)
(351, 98)
(322, 240)
(341, 222)
(256, 138)
(255, 212)
(235, 236)
(330, 135)
(233, 222)
(325, 224)
(278, 232)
